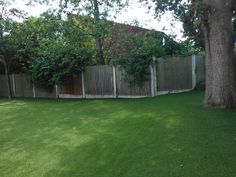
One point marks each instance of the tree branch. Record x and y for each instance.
(234, 4)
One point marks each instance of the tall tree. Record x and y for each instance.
(214, 19)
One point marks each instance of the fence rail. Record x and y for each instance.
(166, 76)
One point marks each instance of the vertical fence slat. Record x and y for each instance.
(114, 81)
(174, 74)
(99, 81)
(194, 79)
(83, 85)
(57, 91)
(34, 92)
(13, 85)
(152, 80)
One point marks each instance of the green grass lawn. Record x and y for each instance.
(166, 136)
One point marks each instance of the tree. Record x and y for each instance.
(51, 48)
(136, 57)
(98, 10)
(214, 19)
(134, 52)
(8, 16)
(192, 31)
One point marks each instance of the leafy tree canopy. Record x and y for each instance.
(193, 13)
(51, 48)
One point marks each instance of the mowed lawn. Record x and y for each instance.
(166, 136)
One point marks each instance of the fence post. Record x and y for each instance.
(114, 81)
(152, 80)
(194, 79)
(57, 91)
(153, 70)
(13, 85)
(83, 87)
(155, 75)
(34, 93)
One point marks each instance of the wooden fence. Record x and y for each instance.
(166, 76)
(174, 74)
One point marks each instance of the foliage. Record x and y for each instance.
(192, 13)
(138, 56)
(98, 11)
(8, 15)
(93, 8)
(186, 48)
(51, 48)
(178, 7)
(139, 49)
(8, 18)
(56, 62)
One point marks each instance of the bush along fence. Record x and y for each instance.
(170, 75)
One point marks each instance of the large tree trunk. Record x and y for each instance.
(220, 62)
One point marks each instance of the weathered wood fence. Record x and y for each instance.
(169, 75)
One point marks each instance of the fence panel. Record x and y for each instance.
(174, 74)
(41, 92)
(200, 69)
(124, 88)
(72, 86)
(3, 86)
(171, 74)
(99, 81)
(22, 86)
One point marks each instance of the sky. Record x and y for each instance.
(136, 12)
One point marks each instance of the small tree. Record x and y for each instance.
(51, 48)
(137, 56)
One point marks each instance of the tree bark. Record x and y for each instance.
(1, 28)
(99, 44)
(220, 61)
(2, 61)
